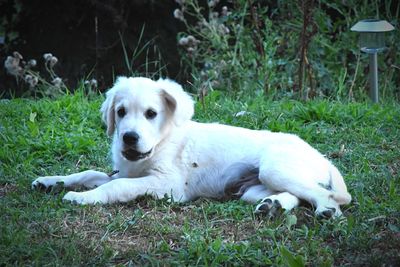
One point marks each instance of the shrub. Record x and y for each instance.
(297, 48)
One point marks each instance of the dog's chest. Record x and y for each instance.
(128, 169)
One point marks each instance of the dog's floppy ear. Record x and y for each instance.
(178, 101)
(108, 109)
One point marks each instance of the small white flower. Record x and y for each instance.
(224, 11)
(32, 63)
(93, 83)
(53, 61)
(11, 64)
(28, 78)
(34, 82)
(192, 41)
(57, 82)
(47, 56)
(178, 14)
(183, 41)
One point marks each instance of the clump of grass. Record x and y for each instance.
(143, 58)
(65, 135)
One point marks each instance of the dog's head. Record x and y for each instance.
(140, 112)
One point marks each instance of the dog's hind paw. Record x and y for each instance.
(271, 208)
(328, 212)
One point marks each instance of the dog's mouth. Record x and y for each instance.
(134, 155)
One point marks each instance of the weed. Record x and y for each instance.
(38, 84)
(150, 67)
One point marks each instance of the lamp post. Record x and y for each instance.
(372, 41)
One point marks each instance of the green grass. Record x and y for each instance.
(66, 135)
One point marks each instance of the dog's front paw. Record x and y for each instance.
(46, 182)
(85, 198)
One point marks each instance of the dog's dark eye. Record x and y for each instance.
(150, 114)
(121, 112)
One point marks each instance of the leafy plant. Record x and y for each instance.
(253, 47)
(222, 50)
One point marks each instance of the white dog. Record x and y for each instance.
(158, 150)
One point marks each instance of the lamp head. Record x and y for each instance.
(372, 34)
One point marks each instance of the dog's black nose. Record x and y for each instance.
(131, 138)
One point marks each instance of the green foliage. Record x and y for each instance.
(253, 47)
(226, 52)
(65, 135)
(151, 54)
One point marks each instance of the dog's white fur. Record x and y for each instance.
(185, 160)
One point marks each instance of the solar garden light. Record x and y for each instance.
(372, 41)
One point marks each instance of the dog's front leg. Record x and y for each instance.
(126, 189)
(88, 179)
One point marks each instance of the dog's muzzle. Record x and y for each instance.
(134, 155)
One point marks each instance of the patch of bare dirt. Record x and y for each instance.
(7, 188)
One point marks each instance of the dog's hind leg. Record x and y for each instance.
(304, 178)
(256, 193)
(87, 179)
(270, 202)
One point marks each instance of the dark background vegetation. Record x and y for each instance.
(332, 63)
(67, 29)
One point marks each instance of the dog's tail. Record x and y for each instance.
(339, 189)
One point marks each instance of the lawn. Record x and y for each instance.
(65, 135)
